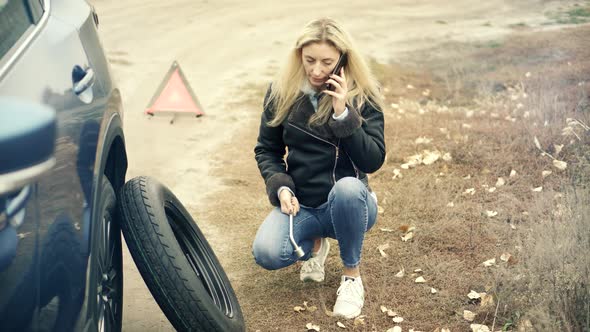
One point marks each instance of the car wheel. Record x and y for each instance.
(176, 261)
(108, 263)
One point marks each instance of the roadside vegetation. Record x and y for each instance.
(484, 218)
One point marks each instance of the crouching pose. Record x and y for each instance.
(324, 112)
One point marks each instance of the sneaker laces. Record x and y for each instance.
(349, 290)
(311, 265)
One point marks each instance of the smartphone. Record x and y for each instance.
(341, 63)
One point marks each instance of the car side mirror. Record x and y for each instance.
(27, 143)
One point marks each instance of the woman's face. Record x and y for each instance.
(319, 59)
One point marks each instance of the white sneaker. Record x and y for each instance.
(351, 298)
(313, 268)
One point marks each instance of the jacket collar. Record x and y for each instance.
(301, 112)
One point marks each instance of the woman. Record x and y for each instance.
(333, 138)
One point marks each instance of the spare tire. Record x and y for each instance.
(176, 262)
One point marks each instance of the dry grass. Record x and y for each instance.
(547, 279)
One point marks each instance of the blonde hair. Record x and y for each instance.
(362, 85)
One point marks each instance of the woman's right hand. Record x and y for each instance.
(289, 203)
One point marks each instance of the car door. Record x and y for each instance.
(48, 63)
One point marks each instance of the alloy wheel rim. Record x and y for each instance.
(107, 278)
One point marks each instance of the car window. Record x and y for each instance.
(16, 16)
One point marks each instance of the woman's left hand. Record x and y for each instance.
(339, 93)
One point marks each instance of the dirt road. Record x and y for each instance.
(225, 45)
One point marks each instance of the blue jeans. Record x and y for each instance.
(349, 212)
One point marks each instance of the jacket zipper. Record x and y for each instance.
(323, 140)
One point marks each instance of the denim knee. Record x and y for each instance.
(349, 188)
(269, 255)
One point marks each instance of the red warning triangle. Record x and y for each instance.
(174, 95)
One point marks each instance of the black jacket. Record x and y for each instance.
(318, 156)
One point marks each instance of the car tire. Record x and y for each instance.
(107, 260)
(175, 260)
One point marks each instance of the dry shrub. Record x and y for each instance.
(551, 285)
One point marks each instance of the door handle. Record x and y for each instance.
(83, 79)
(14, 206)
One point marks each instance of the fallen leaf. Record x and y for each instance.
(470, 191)
(395, 329)
(512, 173)
(309, 308)
(404, 228)
(398, 320)
(489, 262)
(340, 325)
(430, 157)
(311, 327)
(447, 157)
(397, 174)
(391, 313)
(400, 274)
(525, 325)
(546, 173)
(298, 308)
(512, 260)
(561, 165)
(388, 230)
(359, 320)
(420, 280)
(479, 328)
(468, 315)
(473, 295)
(422, 140)
(418, 270)
(491, 214)
(408, 237)
(512, 226)
(557, 148)
(487, 300)
(433, 291)
(505, 257)
(381, 249)
(538, 189)
(500, 182)
(383, 309)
